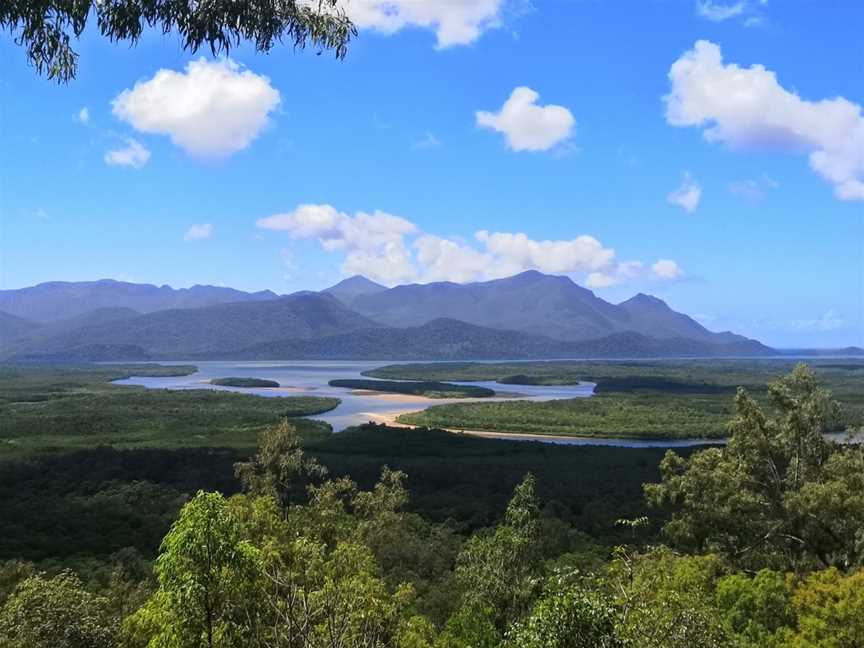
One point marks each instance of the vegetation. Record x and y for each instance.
(636, 416)
(427, 388)
(765, 544)
(662, 399)
(45, 28)
(243, 382)
(62, 408)
(799, 497)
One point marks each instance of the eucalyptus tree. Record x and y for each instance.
(46, 28)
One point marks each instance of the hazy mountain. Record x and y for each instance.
(534, 303)
(349, 289)
(57, 300)
(652, 316)
(528, 315)
(447, 339)
(42, 333)
(11, 326)
(211, 329)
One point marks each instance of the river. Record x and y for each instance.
(310, 378)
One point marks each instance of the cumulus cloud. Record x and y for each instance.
(83, 115)
(619, 274)
(134, 155)
(210, 110)
(455, 22)
(687, 195)
(391, 249)
(667, 269)
(526, 125)
(717, 11)
(748, 109)
(374, 244)
(199, 232)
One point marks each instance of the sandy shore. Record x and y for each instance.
(389, 419)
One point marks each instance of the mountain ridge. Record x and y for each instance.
(527, 315)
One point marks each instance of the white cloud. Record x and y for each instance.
(717, 11)
(830, 321)
(747, 109)
(753, 191)
(667, 269)
(373, 244)
(528, 126)
(83, 115)
(391, 249)
(199, 232)
(428, 141)
(213, 109)
(455, 22)
(133, 154)
(619, 274)
(687, 195)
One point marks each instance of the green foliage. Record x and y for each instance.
(568, 616)
(779, 493)
(427, 388)
(243, 382)
(46, 28)
(755, 608)
(56, 612)
(498, 572)
(279, 469)
(62, 408)
(667, 601)
(208, 581)
(644, 416)
(673, 397)
(830, 611)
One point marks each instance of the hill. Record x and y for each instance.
(57, 300)
(536, 303)
(11, 326)
(211, 331)
(530, 315)
(351, 288)
(447, 339)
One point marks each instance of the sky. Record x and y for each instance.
(709, 153)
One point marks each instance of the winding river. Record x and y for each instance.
(310, 378)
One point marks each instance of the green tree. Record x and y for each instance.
(499, 572)
(667, 601)
(830, 611)
(779, 494)
(208, 582)
(756, 608)
(568, 616)
(56, 612)
(46, 28)
(280, 468)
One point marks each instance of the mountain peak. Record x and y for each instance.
(642, 299)
(356, 286)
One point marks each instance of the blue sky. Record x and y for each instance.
(735, 198)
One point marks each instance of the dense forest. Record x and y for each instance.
(427, 388)
(641, 400)
(756, 543)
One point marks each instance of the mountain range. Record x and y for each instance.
(529, 315)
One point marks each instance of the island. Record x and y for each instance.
(427, 388)
(244, 382)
